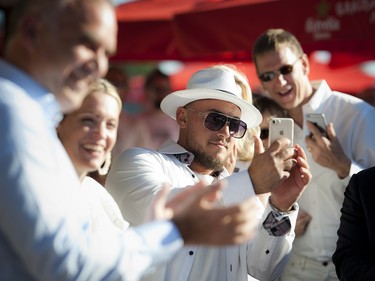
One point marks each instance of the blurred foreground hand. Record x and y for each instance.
(199, 219)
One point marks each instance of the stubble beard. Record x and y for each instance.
(205, 159)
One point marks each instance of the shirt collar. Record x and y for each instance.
(184, 156)
(34, 90)
(173, 148)
(322, 91)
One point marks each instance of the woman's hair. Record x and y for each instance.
(266, 104)
(103, 86)
(106, 87)
(240, 79)
(245, 146)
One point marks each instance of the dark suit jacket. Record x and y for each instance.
(354, 257)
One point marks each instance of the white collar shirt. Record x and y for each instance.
(354, 123)
(137, 174)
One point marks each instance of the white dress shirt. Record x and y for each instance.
(137, 174)
(44, 215)
(354, 123)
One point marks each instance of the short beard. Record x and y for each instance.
(206, 160)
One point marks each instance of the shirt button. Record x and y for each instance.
(191, 253)
(193, 176)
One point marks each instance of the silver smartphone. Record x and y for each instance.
(319, 120)
(281, 128)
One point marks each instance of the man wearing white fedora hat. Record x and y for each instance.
(211, 116)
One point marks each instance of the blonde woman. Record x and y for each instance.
(88, 136)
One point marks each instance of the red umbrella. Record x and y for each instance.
(192, 30)
(146, 28)
(224, 30)
(345, 28)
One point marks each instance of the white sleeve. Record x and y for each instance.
(266, 255)
(133, 180)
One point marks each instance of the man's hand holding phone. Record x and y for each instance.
(327, 150)
(281, 128)
(319, 121)
(282, 169)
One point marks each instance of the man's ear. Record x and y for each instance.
(30, 27)
(305, 64)
(30, 32)
(181, 117)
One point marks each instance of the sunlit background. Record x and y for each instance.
(180, 71)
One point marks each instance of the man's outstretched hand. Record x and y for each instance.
(201, 221)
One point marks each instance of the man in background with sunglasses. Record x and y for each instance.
(283, 70)
(211, 115)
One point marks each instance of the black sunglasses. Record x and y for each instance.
(214, 121)
(264, 133)
(284, 70)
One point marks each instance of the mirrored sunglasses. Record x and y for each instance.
(284, 70)
(214, 121)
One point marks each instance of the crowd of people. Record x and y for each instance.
(192, 190)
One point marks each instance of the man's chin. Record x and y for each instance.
(71, 99)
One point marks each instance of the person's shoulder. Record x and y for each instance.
(351, 105)
(134, 151)
(346, 97)
(17, 111)
(349, 100)
(11, 96)
(361, 184)
(137, 156)
(367, 175)
(94, 188)
(89, 182)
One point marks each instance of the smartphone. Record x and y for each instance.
(319, 120)
(281, 128)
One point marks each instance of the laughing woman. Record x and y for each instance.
(88, 136)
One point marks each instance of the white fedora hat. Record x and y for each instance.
(212, 83)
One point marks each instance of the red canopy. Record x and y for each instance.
(341, 27)
(146, 29)
(192, 30)
(224, 30)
